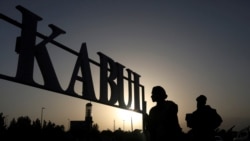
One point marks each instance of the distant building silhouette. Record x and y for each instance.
(83, 126)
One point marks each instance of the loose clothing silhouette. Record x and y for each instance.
(203, 121)
(163, 121)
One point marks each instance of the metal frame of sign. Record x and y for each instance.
(111, 72)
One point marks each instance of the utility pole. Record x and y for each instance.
(68, 124)
(114, 125)
(42, 117)
(123, 125)
(131, 124)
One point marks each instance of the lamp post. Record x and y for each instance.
(123, 125)
(68, 124)
(42, 116)
(132, 124)
(114, 125)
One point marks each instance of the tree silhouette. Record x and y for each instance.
(2, 126)
(23, 128)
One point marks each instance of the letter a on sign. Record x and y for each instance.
(87, 84)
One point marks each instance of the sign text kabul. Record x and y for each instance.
(111, 73)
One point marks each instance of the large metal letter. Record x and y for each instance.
(136, 88)
(87, 83)
(44, 62)
(25, 46)
(137, 91)
(27, 51)
(105, 80)
(120, 84)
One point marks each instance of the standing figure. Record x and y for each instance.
(163, 121)
(203, 121)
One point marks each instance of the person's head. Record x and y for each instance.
(201, 100)
(158, 94)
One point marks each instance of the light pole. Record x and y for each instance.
(42, 117)
(114, 125)
(132, 124)
(68, 124)
(123, 125)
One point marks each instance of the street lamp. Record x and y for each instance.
(68, 124)
(123, 125)
(42, 116)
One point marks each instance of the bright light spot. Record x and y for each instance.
(129, 120)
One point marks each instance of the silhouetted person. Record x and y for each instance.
(203, 121)
(163, 121)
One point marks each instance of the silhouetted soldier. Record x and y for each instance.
(163, 121)
(203, 121)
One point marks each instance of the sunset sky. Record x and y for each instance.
(189, 47)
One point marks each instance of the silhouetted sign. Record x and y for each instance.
(111, 73)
